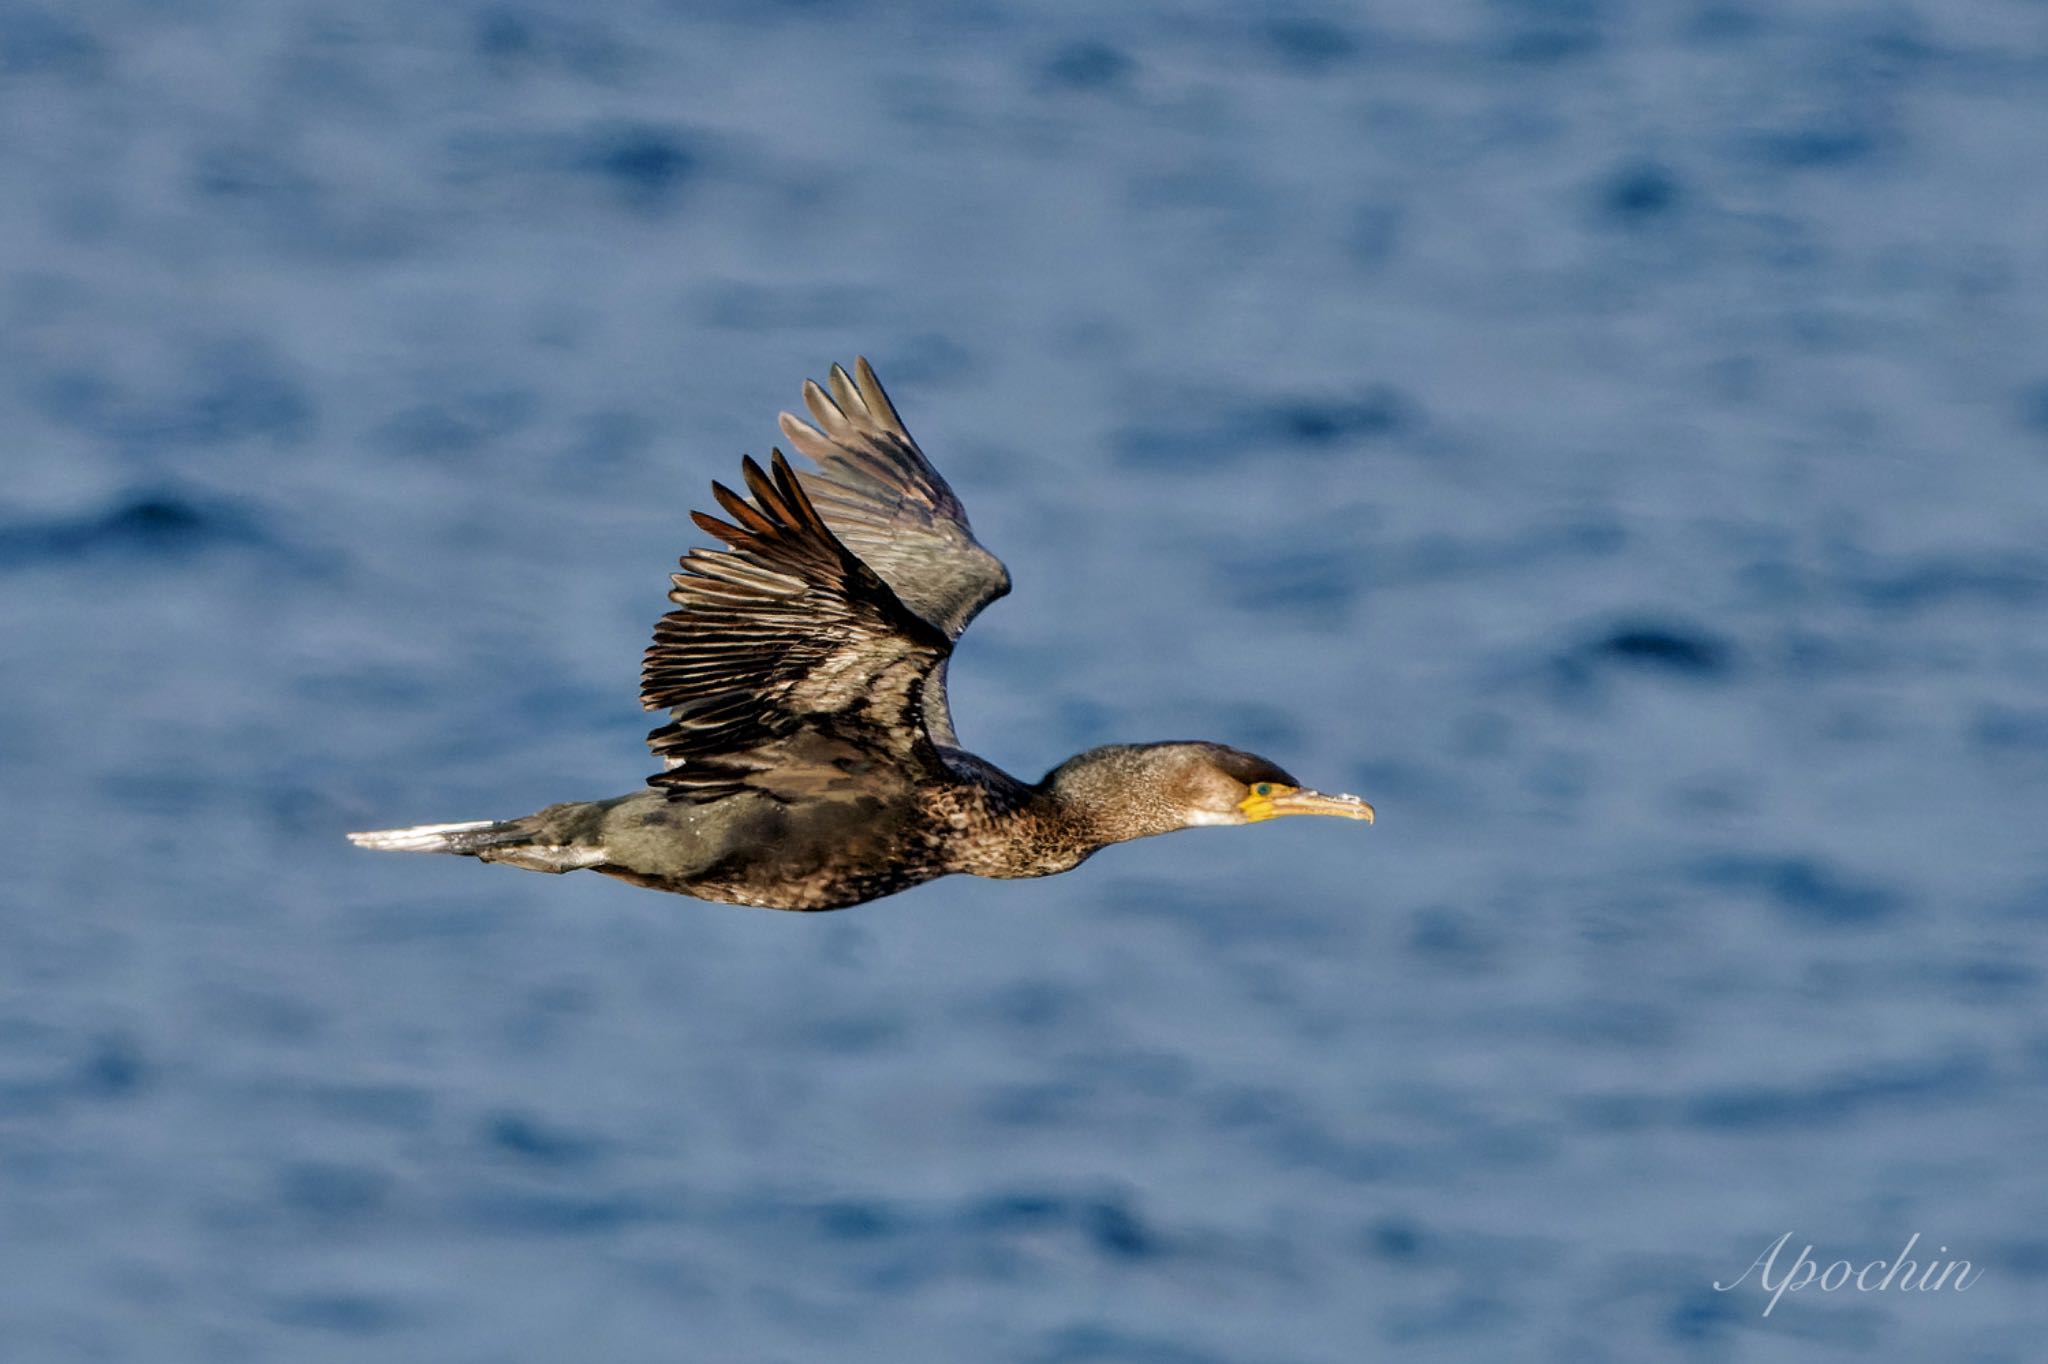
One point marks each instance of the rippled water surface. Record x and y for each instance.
(1613, 438)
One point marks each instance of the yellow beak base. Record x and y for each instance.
(1303, 802)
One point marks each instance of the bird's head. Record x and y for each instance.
(1132, 790)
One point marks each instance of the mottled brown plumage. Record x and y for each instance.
(809, 758)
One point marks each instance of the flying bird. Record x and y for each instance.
(809, 759)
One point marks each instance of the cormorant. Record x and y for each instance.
(809, 759)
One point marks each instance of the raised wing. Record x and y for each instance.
(889, 505)
(784, 630)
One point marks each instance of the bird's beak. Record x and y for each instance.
(1304, 802)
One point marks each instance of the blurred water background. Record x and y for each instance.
(1612, 437)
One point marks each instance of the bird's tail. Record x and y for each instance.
(468, 838)
(559, 838)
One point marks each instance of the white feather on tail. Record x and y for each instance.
(422, 837)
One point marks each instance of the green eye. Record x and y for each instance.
(1264, 788)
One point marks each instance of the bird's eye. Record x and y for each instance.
(1264, 788)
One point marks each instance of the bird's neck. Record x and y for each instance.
(1037, 830)
(1103, 797)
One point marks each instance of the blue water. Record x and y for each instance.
(1613, 438)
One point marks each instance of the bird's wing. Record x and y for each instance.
(889, 505)
(782, 631)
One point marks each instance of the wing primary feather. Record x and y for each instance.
(792, 491)
(778, 514)
(711, 525)
(845, 394)
(807, 439)
(874, 395)
(829, 418)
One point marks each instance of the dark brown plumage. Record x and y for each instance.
(809, 757)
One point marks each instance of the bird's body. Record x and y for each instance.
(810, 758)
